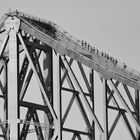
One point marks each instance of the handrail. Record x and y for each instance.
(61, 32)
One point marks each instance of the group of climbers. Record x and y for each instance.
(102, 54)
(92, 49)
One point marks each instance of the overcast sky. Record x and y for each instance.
(110, 25)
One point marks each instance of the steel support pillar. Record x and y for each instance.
(5, 89)
(47, 74)
(92, 100)
(13, 111)
(58, 97)
(137, 110)
(105, 110)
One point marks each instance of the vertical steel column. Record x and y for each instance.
(137, 110)
(47, 74)
(92, 99)
(5, 89)
(105, 111)
(57, 93)
(4, 92)
(13, 80)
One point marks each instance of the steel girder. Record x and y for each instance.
(47, 95)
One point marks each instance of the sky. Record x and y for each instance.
(112, 26)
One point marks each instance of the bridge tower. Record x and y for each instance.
(54, 88)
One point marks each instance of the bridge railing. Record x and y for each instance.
(61, 32)
(78, 42)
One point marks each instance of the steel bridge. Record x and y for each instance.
(52, 87)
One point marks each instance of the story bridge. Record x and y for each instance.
(50, 81)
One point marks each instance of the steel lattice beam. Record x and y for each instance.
(46, 80)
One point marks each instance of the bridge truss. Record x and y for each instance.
(52, 88)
